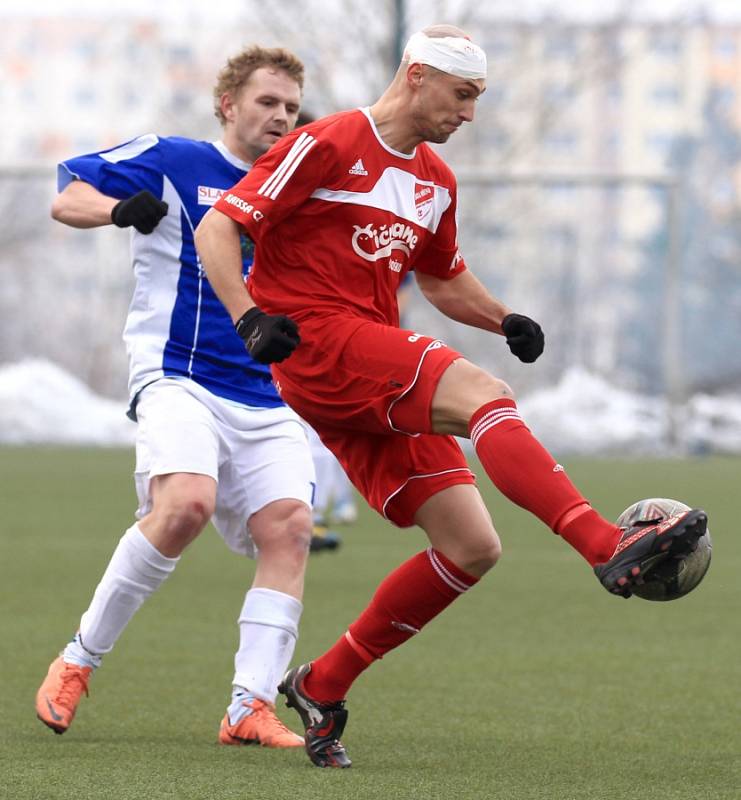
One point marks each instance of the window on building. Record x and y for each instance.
(560, 44)
(660, 143)
(562, 193)
(131, 97)
(560, 235)
(496, 232)
(181, 54)
(666, 94)
(500, 194)
(725, 47)
(666, 44)
(85, 144)
(495, 95)
(86, 49)
(495, 137)
(560, 142)
(500, 45)
(181, 100)
(722, 190)
(612, 46)
(614, 91)
(613, 140)
(85, 96)
(722, 98)
(558, 93)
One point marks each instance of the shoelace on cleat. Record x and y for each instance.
(73, 683)
(264, 710)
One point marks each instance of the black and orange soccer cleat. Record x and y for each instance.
(323, 722)
(645, 545)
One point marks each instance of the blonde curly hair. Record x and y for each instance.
(238, 70)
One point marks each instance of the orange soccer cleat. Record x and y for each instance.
(59, 695)
(258, 726)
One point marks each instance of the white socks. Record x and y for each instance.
(268, 630)
(268, 622)
(135, 571)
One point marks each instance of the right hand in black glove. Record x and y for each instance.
(524, 337)
(142, 210)
(267, 338)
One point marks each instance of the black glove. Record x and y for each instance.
(524, 337)
(267, 338)
(142, 210)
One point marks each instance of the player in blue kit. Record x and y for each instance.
(214, 439)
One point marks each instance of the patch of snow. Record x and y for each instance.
(583, 414)
(43, 404)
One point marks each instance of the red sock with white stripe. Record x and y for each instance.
(525, 472)
(406, 600)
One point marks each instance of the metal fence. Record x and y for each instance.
(596, 259)
(64, 292)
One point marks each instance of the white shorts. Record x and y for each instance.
(256, 455)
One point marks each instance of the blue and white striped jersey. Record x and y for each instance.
(176, 325)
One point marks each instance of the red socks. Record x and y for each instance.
(426, 584)
(408, 598)
(520, 467)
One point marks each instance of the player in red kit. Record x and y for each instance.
(340, 212)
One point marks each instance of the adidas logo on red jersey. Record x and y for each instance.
(358, 168)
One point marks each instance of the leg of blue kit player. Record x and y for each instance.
(268, 625)
(263, 510)
(146, 555)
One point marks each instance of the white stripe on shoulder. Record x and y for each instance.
(397, 190)
(131, 149)
(287, 167)
(299, 158)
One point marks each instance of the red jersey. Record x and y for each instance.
(338, 218)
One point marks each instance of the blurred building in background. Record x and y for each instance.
(600, 183)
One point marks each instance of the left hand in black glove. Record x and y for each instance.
(144, 211)
(524, 337)
(268, 338)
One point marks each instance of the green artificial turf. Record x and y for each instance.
(537, 684)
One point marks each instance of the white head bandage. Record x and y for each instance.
(451, 54)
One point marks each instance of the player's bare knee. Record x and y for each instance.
(284, 526)
(484, 556)
(482, 387)
(463, 389)
(494, 552)
(182, 505)
(188, 515)
(297, 529)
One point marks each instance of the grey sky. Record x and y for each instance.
(727, 10)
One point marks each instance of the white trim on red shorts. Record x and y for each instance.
(434, 345)
(415, 477)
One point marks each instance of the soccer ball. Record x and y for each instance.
(674, 577)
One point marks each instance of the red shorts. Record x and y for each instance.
(367, 389)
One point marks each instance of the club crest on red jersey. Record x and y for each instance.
(423, 197)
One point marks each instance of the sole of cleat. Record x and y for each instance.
(242, 742)
(58, 731)
(682, 541)
(687, 539)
